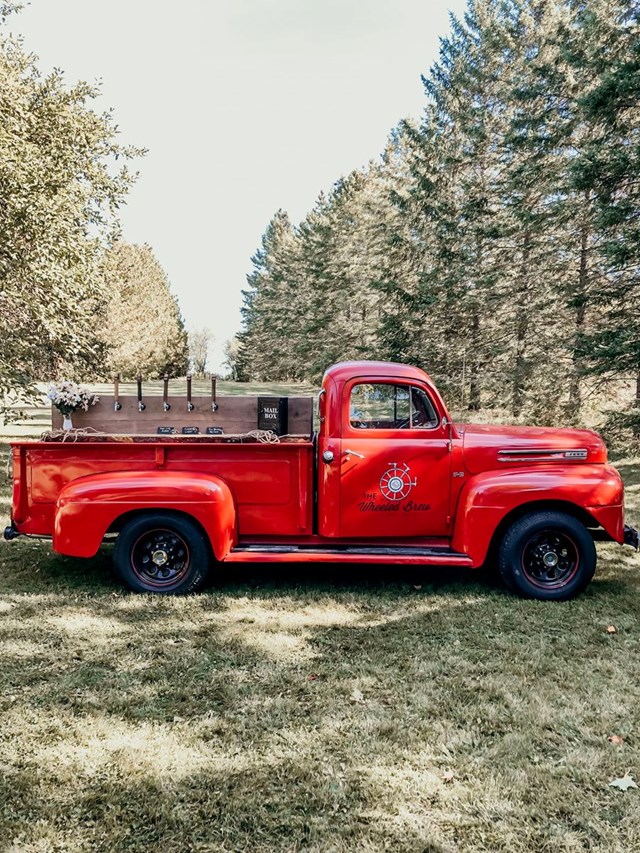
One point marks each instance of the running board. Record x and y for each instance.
(347, 554)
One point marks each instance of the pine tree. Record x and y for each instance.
(605, 49)
(496, 244)
(267, 345)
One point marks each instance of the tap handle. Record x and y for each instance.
(117, 405)
(165, 395)
(141, 405)
(190, 406)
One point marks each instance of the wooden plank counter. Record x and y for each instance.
(235, 414)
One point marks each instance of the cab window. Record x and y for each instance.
(390, 406)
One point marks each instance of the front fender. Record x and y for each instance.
(88, 506)
(487, 498)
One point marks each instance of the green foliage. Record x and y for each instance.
(608, 168)
(141, 328)
(266, 303)
(494, 243)
(7, 9)
(63, 175)
(622, 429)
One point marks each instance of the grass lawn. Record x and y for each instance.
(316, 710)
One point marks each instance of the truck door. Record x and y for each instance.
(394, 462)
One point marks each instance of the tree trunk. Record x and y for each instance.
(474, 379)
(522, 329)
(580, 304)
(476, 344)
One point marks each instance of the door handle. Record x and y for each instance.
(353, 453)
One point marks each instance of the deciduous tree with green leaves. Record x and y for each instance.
(63, 175)
(141, 328)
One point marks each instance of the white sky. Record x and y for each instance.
(245, 106)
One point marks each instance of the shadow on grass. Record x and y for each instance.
(31, 566)
(182, 738)
(226, 720)
(234, 809)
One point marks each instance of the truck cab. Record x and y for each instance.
(388, 478)
(384, 454)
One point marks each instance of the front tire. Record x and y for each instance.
(550, 556)
(162, 552)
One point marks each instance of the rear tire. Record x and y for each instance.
(162, 552)
(550, 556)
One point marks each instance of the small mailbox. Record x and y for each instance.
(273, 414)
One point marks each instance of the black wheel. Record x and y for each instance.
(547, 555)
(162, 552)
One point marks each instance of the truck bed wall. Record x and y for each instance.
(272, 484)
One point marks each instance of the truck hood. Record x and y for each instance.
(488, 447)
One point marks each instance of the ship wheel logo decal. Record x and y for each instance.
(396, 482)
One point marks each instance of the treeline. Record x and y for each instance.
(497, 242)
(64, 277)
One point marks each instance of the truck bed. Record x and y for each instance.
(272, 482)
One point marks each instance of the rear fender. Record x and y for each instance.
(88, 506)
(487, 499)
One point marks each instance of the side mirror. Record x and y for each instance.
(446, 423)
(321, 404)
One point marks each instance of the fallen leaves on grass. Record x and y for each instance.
(624, 783)
(616, 739)
(611, 629)
(356, 697)
(448, 776)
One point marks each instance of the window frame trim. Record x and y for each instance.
(386, 432)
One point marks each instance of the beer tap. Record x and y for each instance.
(141, 405)
(214, 405)
(117, 405)
(165, 402)
(190, 406)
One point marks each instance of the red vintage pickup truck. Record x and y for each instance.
(388, 479)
